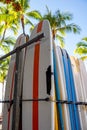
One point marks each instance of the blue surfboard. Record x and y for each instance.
(74, 117)
(57, 92)
(69, 94)
(77, 119)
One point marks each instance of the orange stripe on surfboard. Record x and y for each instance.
(36, 82)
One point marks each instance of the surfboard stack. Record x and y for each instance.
(51, 83)
(80, 78)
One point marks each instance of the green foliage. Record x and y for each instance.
(34, 14)
(8, 19)
(85, 39)
(83, 57)
(81, 48)
(7, 43)
(12, 15)
(59, 24)
(3, 69)
(61, 41)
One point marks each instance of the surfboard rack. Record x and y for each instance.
(37, 38)
(45, 99)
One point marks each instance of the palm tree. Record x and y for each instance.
(59, 26)
(22, 8)
(81, 48)
(8, 21)
(12, 14)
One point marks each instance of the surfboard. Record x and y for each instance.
(78, 127)
(83, 74)
(79, 73)
(59, 106)
(61, 88)
(84, 84)
(69, 95)
(8, 108)
(72, 91)
(38, 82)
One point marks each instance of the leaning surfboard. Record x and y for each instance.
(80, 78)
(37, 112)
(61, 87)
(8, 108)
(75, 122)
(59, 106)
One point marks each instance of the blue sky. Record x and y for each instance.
(77, 7)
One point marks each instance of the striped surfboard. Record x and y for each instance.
(38, 82)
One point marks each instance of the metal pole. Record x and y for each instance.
(17, 92)
(34, 40)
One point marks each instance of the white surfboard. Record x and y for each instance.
(62, 87)
(80, 78)
(83, 73)
(7, 111)
(38, 115)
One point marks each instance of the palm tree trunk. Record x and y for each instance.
(22, 22)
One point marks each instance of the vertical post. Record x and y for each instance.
(17, 92)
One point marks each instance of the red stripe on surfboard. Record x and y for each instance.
(36, 82)
(12, 84)
(39, 27)
(35, 87)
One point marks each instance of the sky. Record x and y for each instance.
(77, 7)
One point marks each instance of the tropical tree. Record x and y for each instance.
(23, 14)
(12, 15)
(81, 48)
(8, 21)
(59, 24)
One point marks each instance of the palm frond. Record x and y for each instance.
(27, 21)
(61, 40)
(61, 31)
(61, 18)
(70, 28)
(80, 50)
(47, 9)
(1, 28)
(10, 40)
(85, 39)
(14, 29)
(3, 69)
(7, 43)
(34, 14)
(83, 57)
(5, 48)
(81, 44)
(24, 4)
(31, 28)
